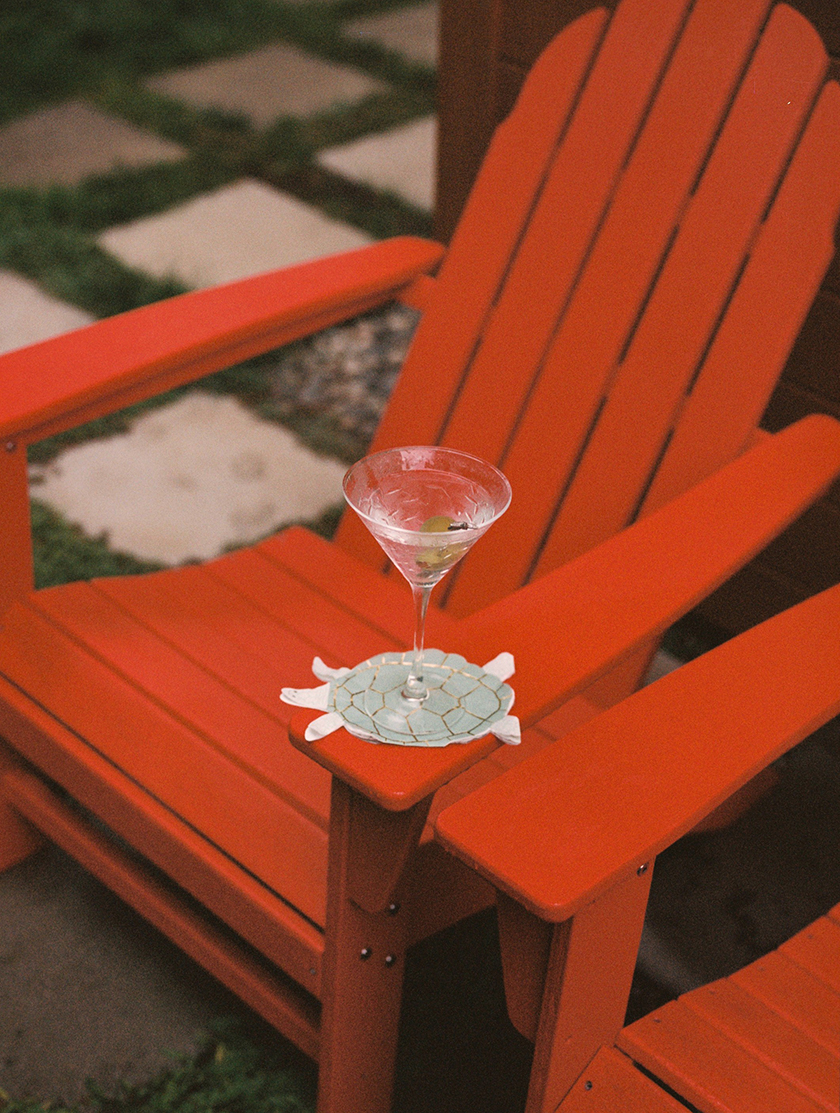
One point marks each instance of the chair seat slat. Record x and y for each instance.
(336, 634)
(795, 994)
(202, 636)
(611, 1083)
(171, 761)
(241, 900)
(338, 577)
(777, 1042)
(214, 626)
(778, 1014)
(706, 1068)
(817, 949)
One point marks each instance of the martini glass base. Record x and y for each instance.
(400, 709)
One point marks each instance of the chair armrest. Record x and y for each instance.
(566, 824)
(574, 624)
(66, 381)
(394, 777)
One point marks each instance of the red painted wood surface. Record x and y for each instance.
(608, 797)
(365, 915)
(787, 242)
(670, 552)
(724, 1047)
(611, 1084)
(172, 759)
(665, 352)
(476, 264)
(580, 824)
(714, 1074)
(17, 530)
(816, 949)
(154, 700)
(623, 247)
(774, 1040)
(265, 920)
(795, 994)
(142, 353)
(18, 839)
(487, 47)
(642, 224)
(274, 997)
(607, 602)
(586, 988)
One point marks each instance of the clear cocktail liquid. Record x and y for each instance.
(426, 520)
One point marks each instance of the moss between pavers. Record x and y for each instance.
(53, 49)
(100, 50)
(230, 1073)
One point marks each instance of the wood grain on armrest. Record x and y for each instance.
(566, 824)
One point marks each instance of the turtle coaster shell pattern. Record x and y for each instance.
(465, 702)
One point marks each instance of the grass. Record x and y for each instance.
(101, 51)
(457, 1049)
(54, 49)
(230, 1073)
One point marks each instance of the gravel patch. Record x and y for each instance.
(346, 374)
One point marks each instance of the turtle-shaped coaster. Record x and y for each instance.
(465, 701)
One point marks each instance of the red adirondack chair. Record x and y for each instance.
(570, 844)
(640, 249)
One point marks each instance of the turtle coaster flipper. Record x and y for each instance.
(466, 701)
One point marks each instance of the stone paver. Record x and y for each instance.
(28, 315)
(276, 80)
(401, 160)
(87, 989)
(72, 141)
(242, 229)
(411, 31)
(189, 480)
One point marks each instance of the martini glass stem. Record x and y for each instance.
(415, 688)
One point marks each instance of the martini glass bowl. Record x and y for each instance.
(426, 506)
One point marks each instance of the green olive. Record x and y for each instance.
(438, 524)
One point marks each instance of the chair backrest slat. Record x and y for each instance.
(478, 258)
(546, 269)
(716, 234)
(619, 249)
(754, 340)
(469, 395)
(476, 267)
(611, 296)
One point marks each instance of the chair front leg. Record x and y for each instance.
(16, 577)
(364, 957)
(585, 980)
(18, 838)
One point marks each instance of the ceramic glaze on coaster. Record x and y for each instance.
(465, 701)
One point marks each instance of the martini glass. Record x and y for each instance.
(426, 506)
